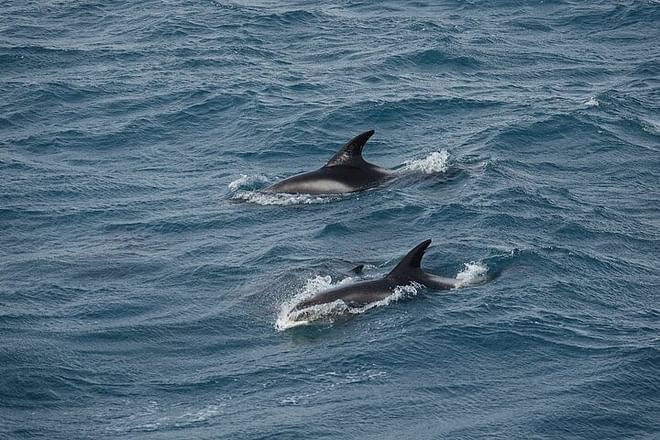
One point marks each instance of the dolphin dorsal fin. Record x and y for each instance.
(411, 262)
(357, 270)
(351, 152)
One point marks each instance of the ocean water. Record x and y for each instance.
(143, 273)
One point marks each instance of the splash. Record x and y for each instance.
(592, 102)
(312, 286)
(245, 181)
(472, 273)
(436, 162)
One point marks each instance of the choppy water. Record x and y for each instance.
(142, 273)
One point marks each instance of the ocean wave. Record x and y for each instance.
(614, 16)
(154, 416)
(436, 59)
(290, 18)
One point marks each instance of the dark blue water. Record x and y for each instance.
(143, 274)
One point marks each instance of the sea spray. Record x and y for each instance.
(472, 273)
(436, 162)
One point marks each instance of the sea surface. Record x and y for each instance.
(145, 278)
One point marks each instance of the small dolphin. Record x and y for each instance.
(361, 294)
(346, 172)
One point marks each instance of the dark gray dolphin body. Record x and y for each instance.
(360, 294)
(346, 172)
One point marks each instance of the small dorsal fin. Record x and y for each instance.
(357, 270)
(410, 262)
(351, 152)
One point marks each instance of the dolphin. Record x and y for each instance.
(345, 172)
(360, 294)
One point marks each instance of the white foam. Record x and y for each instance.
(436, 162)
(472, 273)
(313, 285)
(332, 380)
(155, 417)
(592, 102)
(261, 198)
(652, 127)
(400, 292)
